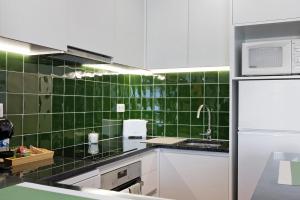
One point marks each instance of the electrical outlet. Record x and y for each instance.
(120, 107)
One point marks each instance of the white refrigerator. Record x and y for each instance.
(269, 121)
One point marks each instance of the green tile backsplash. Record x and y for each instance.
(53, 106)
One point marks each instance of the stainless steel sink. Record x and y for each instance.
(202, 144)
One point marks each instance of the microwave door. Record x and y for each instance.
(267, 58)
(296, 57)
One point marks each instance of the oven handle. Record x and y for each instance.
(128, 184)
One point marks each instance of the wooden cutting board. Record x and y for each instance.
(164, 140)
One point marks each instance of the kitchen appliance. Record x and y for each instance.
(268, 122)
(276, 57)
(135, 128)
(123, 178)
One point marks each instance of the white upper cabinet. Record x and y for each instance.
(167, 35)
(209, 33)
(90, 25)
(129, 42)
(34, 21)
(260, 11)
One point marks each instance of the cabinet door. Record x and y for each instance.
(90, 25)
(167, 33)
(258, 11)
(269, 105)
(129, 40)
(208, 33)
(193, 176)
(34, 21)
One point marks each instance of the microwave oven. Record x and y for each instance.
(278, 57)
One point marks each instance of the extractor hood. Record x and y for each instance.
(82, 56)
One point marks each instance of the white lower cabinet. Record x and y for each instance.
(90, 179)
(193, 175)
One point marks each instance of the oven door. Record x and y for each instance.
(267, 58)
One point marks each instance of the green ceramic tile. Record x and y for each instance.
(2, 60)
(147, 115)
(89, 119)
(135, 91)
(57, 122)
(17, 121)
(69, 138)
(135, 115)
(224, 104)
(147, 91)
(2, 81)
(97, 103)
(79, 103)
(121, 79)
(113, 90)
(30, 124)
(30, 140)
(57, 104)
(89, 104)
(68, 121)
(214, 118)
(196, 131)
(135, 80)
(97, 118)
(197, 77)
(224, 77)
(45, 104)
(147, 104)
(223, 119)
(45, 84)
(31, 83)
(223, 133)
(224, 90)
(172, 78)
(15, 141)
(45, 65)
(211, 90)
(184, 77)
(184, 131)
(171, 104)
(106, 89)
(31, 64)
(159, 79)
(58, 67)
(98, 89)
(212, 103)
(79, 136)
(106, 104)
(197, 90)
(159, 91)
(80, 87)
(58, 85)
(98, 77)
(159, 104)
(14, 62)
(184, 118)
(79, 120)
(184, 90)
(69, 86)
(147, 79)
(171, 130)
(30, 103)
(184, 104)
(159, 117)
(197, 121)
(211, 77)
(171, 118)
(44, 140)
(57, 140)
(135, 104)
(15, 82)
(14, 104)
(106, 78)
(171, 90)
(120, 91)
(69, 102)
(45, 123)
(158, 129)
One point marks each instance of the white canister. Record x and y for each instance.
(93, 138)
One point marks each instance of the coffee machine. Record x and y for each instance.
(6, 132)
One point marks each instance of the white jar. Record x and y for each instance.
(93, 138)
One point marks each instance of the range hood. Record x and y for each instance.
(82, 56)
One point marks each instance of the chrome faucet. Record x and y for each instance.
(208, 132)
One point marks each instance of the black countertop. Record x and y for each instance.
(71, 161)
(268, 187)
